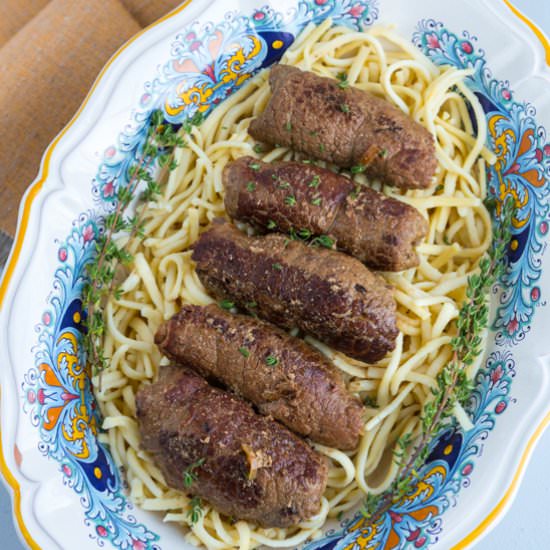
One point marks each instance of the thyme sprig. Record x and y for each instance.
(453, 386)
(147, 172)
(190, 474)
(195, 510)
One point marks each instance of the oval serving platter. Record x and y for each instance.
(67, 491)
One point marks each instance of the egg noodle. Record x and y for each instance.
(163, 278)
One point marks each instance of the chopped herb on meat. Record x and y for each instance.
(226, 304)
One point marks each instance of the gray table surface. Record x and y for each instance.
(526, 526)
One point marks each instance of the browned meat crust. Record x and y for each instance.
(347, 127)
(253, 468)
(283, 376)
(323, 292)
(380, 231)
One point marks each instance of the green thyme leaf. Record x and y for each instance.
(190, 475)
(195, 510)
(290, 200)
(315, 181)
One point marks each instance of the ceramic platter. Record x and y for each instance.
(66, 491)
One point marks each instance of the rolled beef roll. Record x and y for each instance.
(380, 231)
(246, 465)
(283, 376)
(345, 126)
(323, 292)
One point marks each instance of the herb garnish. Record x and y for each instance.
(370, 401)
(315, 181)
(257, 148)
(189, 475)
(323, 240)
(284, 185)
(277, 266)
(290, 200)
(343, 80)
(226, 304)
(195, 510)
(383, 153)
(254, 166)
(250, 186)
(453, 385)
(271, 360)
(316, 201)
(271, 224)
(288, 126)
(344, 107)
(157, 151)
(357, 169)
(244, 351)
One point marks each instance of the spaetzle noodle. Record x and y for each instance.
(163, 277)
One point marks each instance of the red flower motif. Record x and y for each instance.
(357, 10)
(497, 374)
(466, 47)
(109, 190)
(433, 41)
(258, 15)
(41, 396)
(396, 518)
(138, 545)
(506, 94)
(195, 45)
(62, 254)
(88, 233)
(513, 325)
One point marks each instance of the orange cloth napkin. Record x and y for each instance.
(50, 54)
